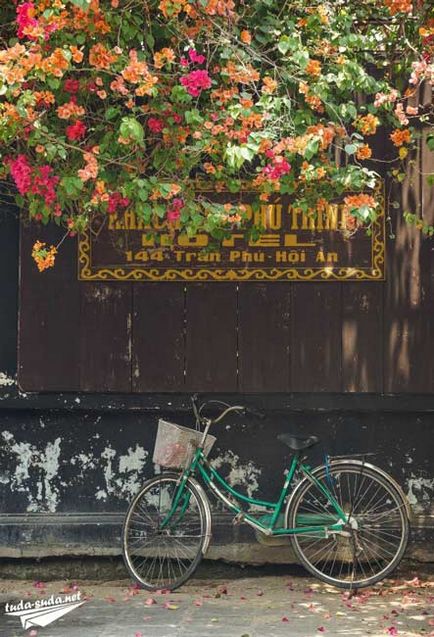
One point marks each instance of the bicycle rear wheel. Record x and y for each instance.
(373, 541)
(163, 555)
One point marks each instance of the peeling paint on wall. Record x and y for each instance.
(125, 480)
(35, 472)
(6, 381)
(420, 494)
(243, 475)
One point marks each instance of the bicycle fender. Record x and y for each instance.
(208, 516)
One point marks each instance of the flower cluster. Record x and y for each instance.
(43, 256)
(39, 180)
(105, 110)
(196, 81)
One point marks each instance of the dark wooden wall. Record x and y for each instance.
(253, 337)
(279, 337)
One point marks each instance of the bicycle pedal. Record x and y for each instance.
(238, 519)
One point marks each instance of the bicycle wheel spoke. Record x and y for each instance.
(163, 544)
(374, 535)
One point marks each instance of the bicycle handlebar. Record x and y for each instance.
(228, 409)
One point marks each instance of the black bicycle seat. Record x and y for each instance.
(295, 443)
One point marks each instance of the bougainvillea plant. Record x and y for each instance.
(108, 105)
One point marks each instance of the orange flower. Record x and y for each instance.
(313, 68)
(241, 74)
(364, 152)
(55, 64)
(70, 109)
(245, 37)
(353, 202)
(367, 124)
(100, 57)
(163, 57)
(399, 6)
(77, 55)
(268, 85)
(91, 169)
(135, 70)
(209, 168)
(43, 256)
(401, 136)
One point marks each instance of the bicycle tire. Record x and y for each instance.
(376, 543)
(137, 537)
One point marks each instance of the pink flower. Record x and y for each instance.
(183, 61)
(76, 131)
(196, 81)
(44, 184)
(26, 19)
(21, 172)
(195, 57)
(400, 114)
(174, 210)
(71, 86)
(392, 630)
(277, 169)
(117, 201)
(155, 125)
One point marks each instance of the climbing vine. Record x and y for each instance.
(109, 105)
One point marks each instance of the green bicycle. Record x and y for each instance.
(347, 520)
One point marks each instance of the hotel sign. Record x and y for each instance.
(293, 247)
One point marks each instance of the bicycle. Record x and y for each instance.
(347, 520)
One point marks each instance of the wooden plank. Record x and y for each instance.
(407, 362)
(316, 339)
(9, 240)
(427, 189)
(362, 337)
(264, 337)
(211, 337)
(158, 337)
(49, 316)
(105, 339)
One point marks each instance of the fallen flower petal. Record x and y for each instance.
(150, 601)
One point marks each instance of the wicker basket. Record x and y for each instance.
(175, 445)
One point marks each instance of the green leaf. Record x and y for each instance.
(111, 112)
(351, 149)
(131, 128)
(72, 185)
(284, 44)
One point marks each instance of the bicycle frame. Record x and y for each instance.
(200, 465)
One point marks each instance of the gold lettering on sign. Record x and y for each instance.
(292, 245)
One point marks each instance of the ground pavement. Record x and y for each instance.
(244, 604)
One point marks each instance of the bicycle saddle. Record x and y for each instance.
(295, 443)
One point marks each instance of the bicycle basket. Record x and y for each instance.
(175, 444)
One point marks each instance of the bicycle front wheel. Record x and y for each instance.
(371, 543)
(163, 545)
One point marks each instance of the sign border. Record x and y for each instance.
(87, 272)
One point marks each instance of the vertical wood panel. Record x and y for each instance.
(158, 337)
(264, 337)
(427, 191)
(211, 337)
(407, 364)
(316, 340)
(105, 343)
(362, 337)
(49, 316)
(9, 240)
